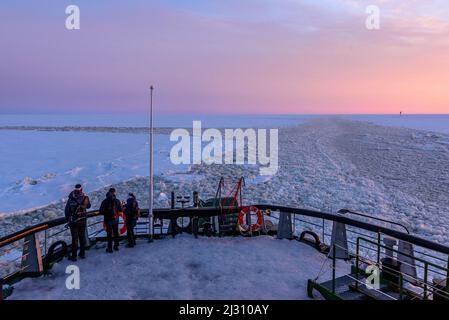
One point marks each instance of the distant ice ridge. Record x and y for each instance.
(427, 122)
(161, 120)
(436, 123)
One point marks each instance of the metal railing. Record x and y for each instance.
(346, 211)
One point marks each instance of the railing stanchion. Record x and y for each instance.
(323, 232)
(45, 242)
(357, 263)
(378, 248)
(334, 265)
(447, 275)
(292, 227)
(426, 272)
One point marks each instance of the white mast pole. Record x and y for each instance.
(150, 207)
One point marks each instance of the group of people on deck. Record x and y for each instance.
(111, 207)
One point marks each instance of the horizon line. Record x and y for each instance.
(209, 114)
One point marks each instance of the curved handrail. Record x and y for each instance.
(344, 211)
(362, 225)
(4, 241)
(168, 213)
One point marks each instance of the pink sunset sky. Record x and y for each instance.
(227, 56)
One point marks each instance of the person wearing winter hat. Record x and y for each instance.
(110, 209)
(76, 216)
(132, 213)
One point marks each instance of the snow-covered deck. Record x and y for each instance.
(188, 268)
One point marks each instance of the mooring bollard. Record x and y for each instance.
(391, 271)
(439, 290)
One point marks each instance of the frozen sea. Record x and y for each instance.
(40, 167)
(37, 168)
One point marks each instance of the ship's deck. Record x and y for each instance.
(188, 268)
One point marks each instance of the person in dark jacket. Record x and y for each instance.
(76, 215)
(110, 209)
(132, 213)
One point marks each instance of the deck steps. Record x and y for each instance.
(342, 288)
(384, 293)
(346, 289)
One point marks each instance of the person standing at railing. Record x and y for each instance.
(76, 215)
(110, 209)
(132, 213)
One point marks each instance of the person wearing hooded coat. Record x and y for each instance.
(110, 209)
(132, 213)
(76, 216)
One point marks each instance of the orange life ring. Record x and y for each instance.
(243, 227)
(122, 230)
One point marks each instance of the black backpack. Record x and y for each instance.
(111, 210)
(74, 209)
(132, 208)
